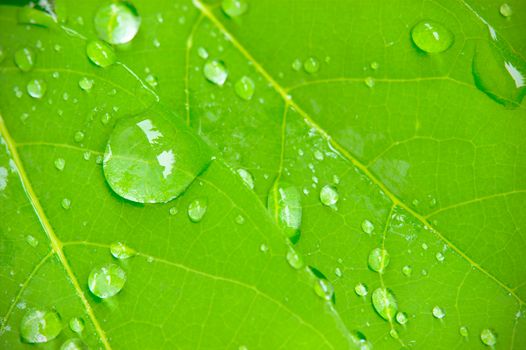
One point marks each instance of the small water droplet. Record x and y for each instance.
(40, 325)
(384, 303)
(407, 270)
(100, 53)
(107, 280)
(438, 312)
(375, 65)
(60, 163)
(263, 248)
(85, 83)
(361, 290)
(506, 10)
(367, 227)
(245, 88)
(329, 196)
(324, 289)
(234, 8)
(173, 211)
(25, 59)
(369, 82)
(197, 209)
(311, 65)
(294, 259)
(76, 324)
(79, 136)
(296, 65)
(117, 22)
(215, 71)
(440, 257)
(431, 37)
(425, 246)
(36, 88)
(401, 318)
(338, 272)
(463, 330)
(360, 341)
(151, 80)
(32, 241)
(105, 118)
(121, 251)
(66, 203)
(488, 337)
(379, 259)
(284, 204)
(240, 219)
(247, 178)
(201, 51)
(73, 344)
(393, 333)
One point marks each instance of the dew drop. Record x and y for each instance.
(369, 82)
(201, 51)
(367, 227)
(66, 203)
(25, 59)
(294, 259)
(73, 344)
(263, 248)
(121, 251)
(296, 65)
(378, 260)
(151, 80)
(105, 118)
(394, 334)
(245, 88)
(247, 178)
(173, 211)
(32, 241)
(438, 312)
(361, 290)
(40, 325)
(431, 37)
(30, 15)
(329, 196)
(375, 65)
(311, 65)
(117, 22)
(463, 330)
(384, 303)
(147, 160)
(506, 10)
(488, 337)
(360, 341)
(76, 324)
(401, 318)
(85, 83)
(197, 209)
(338, 272)
(324, 289)
(215, 72)
(440, 257)
(234, 8)
(107, 280)
(100, 53)
(240, 219)
(60, 163)
(407, 270)
(36, 88)
(284, 204)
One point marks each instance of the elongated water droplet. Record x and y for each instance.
(215, 72)
(201, 51)
(329, 196)
(463, 330)
(488, 337)
(100, 53)
(324, 288)
(247, 178)
(36, 88)
(401, 318)
(60, 163)
(30, 15)
(294, 259)
(311, 65)
(506, 10)
(379, 259)
(438, 312)
(73, 344)
(121, 251)
(117, 22)
(40, 325)
(367, 227)
(245, 88)
(234, 8)
(284, 204)
(76, 324)
(147, 160)
(384, 303)
(107, 280)
(431, 37)
(85, 83)
(25, 59)
(197, 209)
(361, 290)
(66, 203)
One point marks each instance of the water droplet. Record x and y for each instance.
(36, 88)
(40, 325)
(329, 196)
(401, 318)
(240, 219)
(151, 80)
(384, 303)
(76, 324)
(311, 65)
(32, 241)
(201, 51)
(294, 259)
(431, 37)
(488, 337)
(73, 344)
(25, 59)
(360, 341)
(425, 246)
(2, 55)
(369, 82)
(375, 65)
(393, 333)
(263, 248)
(296, 64)
(105, 118)
(407, 270)
(367, 226)
(173, 211)
(107, 280)
(121, 251)
(463, 330)
(234, 8)
(60, 163)
(338, 272)
(66, 203)
(324, 288)
(506, 10)
(117, 22)
(284, 204)
(85, 83)
(379, 259)
(147, 160)
(440, 257)
(197, 209)
(30, 15)
(100, 53)
(361, 290)
(438, 312)
(215, 72)
(245, 88)
(247, 178)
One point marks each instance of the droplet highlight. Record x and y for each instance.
(117, 22)
(107, 280)
(100, 53)
(197, 209)
(215, 71)
(432, 37)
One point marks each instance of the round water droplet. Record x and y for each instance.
(66, 203)
(440, 257)
(32, 241)
(263, 248)
(245, 88)
(86, 84)
(463, 330)
(121, 251)
(379, 259)
(438, 312)
(40, 325)
(384, 303)
(506, 10)
(60, 163)
(197, 209)
(367, 227)
(76, 324)
(431, 37)
(284, 204)
(329, 195)
(25, 59)
(215, 72)
(117, 22)
(361, 290)
(247, 178)
(73, 344)
(375, 65)
(294, 259)
(234, 8)
(107, 280)
(324, 288)
(369, 82)
(240, 219)
(36, 88)
(488, 337)
(407, 270)
(311, 65)
(296, 64)
(401, 318)
(100, 53)
(173, 211)
(147, 160)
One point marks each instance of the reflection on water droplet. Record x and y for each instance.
(329, 196)
(36, 88)
(438, 312)
(488, 337)
(324, 288)
(401, 318)
(431, 37)
(107, 280)
(379, 259)
(245, 88)
(121, 251)
(40, 325)
(100, 53)
(25, 59)
(384, 303)
(73, 344)
(506, 10)
(284, 204)
(234, 8)
(60, 163)
(311, 65)
(197, 209)
(117, 22)
(367, 226)
(361, 290)
(85, 83)
(215, 72)
(294, 259)
(247, 178)
(77, 325)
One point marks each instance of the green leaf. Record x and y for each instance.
(419, 156)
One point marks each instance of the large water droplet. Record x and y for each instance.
(488, 337)
(384, 303)
(438, 312)
(284, 204)
(431, 37)
(117, 22)
(215, 71)
(147, 160)
(234, 8)
(245, 88)
(40, 325)
(106, 281)
(73, 344)
(121, 251)
(329, 196)
(379, 259)
(505, 10)
(76, 324)
(197, 209)
(36, 88)
(25, 59)
(100, 53)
